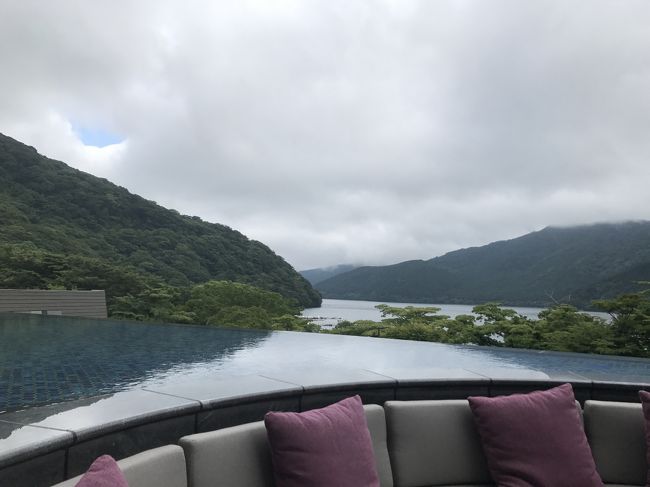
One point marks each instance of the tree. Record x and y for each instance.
(502, 327)
(210, 300)
(630, 322)
(564, 328)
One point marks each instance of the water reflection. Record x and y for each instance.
(51, 359)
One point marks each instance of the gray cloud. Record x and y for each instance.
(346, 131)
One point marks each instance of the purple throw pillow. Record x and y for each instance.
(535, 440)
(323, 447)
(645, 404)
(104, 472)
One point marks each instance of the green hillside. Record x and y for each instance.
(572, 265)
(62, 216)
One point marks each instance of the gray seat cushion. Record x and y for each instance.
(240, 456)
(160, 467)
(376, 418)
(616, 433)
(434, 443)
(230, 457)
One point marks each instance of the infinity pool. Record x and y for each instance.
(46, 360)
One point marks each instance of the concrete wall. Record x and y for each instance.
(88, 304)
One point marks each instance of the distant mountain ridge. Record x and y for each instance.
(48, 208)
(314, 276)
(572, 265)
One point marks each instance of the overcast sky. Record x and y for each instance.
(366, 132)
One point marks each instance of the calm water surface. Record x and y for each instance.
(53, 359)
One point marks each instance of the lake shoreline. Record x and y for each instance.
(333, 311)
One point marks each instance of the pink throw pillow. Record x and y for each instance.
(535, 440)
(323, 447)
(645, 404)
(104, 472)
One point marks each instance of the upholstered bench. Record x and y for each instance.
(415, 443)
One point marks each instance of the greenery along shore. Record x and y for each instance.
(227, 303)
(560, 328)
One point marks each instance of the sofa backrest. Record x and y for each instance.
(616, 433)
(416, 444)
(240, 455)
(160, 467)
(434, 443)
(229, 457)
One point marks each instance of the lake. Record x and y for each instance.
(334, 310)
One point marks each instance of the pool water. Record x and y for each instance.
(53, 359)
(45, 360)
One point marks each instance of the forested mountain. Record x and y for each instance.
(314, 276)
(573, 265)
(62, 227)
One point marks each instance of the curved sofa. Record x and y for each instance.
(416, 444)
